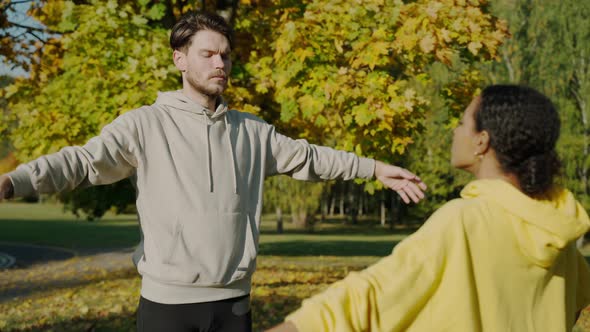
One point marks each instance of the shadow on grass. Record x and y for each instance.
(71, 234)
(27, 255)
(327, 248)
(343, 230)
(340, 226)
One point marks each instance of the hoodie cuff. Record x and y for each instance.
(21, 181)
(366, 168)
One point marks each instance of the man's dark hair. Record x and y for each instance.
(191, 22)
(523, 125)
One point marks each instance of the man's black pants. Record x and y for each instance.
(217, 316)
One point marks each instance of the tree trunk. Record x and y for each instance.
(300, 219)
(332, 204)
(324, 205)
(279, 220)
(509, 68)
(383, 209)
(342, 196)
(575, 88)
(580, 102)
(352, 206)
(361, 201)
(394, 207)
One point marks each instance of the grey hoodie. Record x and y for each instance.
(199, 177)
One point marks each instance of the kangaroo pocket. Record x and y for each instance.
(208, 249)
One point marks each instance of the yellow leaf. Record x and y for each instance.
(474, 47)
(338, 44)
(392, 89)
(444, 56)
(10, 90)
(445, 35)
(433, 9)
(427, 43)
(380, 48)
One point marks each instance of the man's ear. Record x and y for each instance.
(179, 60)
(482, 142)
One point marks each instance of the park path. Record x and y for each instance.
(39, 268)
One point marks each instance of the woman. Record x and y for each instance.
(500, 258)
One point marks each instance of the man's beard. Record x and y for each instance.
(212, 92)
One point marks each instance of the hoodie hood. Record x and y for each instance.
(543, 227)
(177, 100)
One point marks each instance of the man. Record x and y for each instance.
(199, 170)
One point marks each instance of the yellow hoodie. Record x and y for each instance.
(494, 260)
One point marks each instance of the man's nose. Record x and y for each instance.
(218, 61)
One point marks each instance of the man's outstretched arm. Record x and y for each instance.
(106, 158)
(304, 161)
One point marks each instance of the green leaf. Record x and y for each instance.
(157, 11)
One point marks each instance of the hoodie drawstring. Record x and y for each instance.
(209, 175)
(231, 149)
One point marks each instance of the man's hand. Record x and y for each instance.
(405, 183)
(6, 188)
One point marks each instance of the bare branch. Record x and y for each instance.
(30, 28)
(17, 2)
(20, 35)
(37, 37)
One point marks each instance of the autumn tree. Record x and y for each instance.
(8, 161)
(358, 77)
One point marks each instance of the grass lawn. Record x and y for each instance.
(47, 224)
(291, 267)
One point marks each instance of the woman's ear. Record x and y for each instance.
(179, 60)
(482, 142)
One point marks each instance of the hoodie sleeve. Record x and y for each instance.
(377, 299)
(104, 159)
(304, 161)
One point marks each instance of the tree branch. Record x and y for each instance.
(37, 37)
(17, 2)
(30, 28)
(11, 4)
